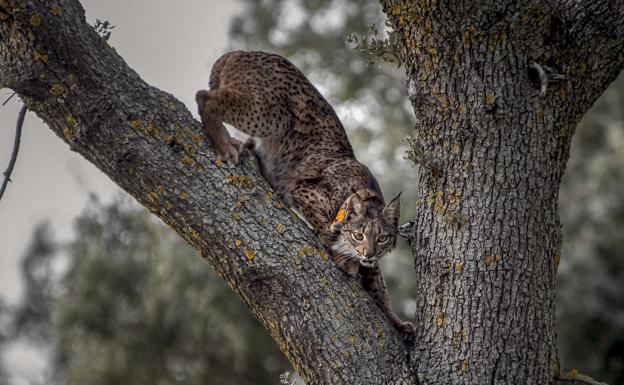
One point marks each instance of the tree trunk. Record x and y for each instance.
(487, 235)
(493, 147)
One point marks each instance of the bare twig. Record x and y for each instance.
(574, 376)
(9, 98)
(16, 144)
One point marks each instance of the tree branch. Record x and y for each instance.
(574, 376)
(16, 145)
(149, 144)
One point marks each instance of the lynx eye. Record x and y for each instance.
(382, 238)
(357, 236)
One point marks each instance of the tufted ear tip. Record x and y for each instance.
(392, 211)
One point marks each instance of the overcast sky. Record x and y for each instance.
(159, 39)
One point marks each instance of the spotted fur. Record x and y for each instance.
(304, 153)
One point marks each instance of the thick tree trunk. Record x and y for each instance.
(487, 236)
(150, 145)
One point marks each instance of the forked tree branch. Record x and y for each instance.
(574, 376)
(148, 143)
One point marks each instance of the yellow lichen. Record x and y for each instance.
(540, 116)
(35, 20)
(184, 196)
(352, 339)
(459, 267)
(152, 196)
(465, 367)
(190, 150)
(39, 56)
(197, 139)
(439, 319)
(238, 243)
(468, 35)
(240, 181)
(489, 259)
(71, 120)
(323, 255)
(306, 250)
(135, 124)
(582, 67)
(186, 159)
(56, 10)
(218, 162)
(346, 354)
(68, 134)
(250, 255)
(280, 228)
(458, 338)
(194, 234)
(57, 89)
(556, 259)
(152, 130)
(236, 216)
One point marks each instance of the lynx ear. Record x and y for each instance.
(392, 211)
(355, 204)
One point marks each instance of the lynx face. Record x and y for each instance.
(365, 229)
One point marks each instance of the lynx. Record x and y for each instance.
(304, 153)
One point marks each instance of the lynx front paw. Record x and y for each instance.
(406, 328)
(228, 148)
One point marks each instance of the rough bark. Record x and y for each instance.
(150, 145)
(487, 238)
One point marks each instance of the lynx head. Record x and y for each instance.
(365, 229)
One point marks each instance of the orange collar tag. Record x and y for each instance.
(340, 216)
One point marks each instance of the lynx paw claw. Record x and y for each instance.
(229, 149)
(406, 328)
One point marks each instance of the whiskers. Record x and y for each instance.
(344, 252)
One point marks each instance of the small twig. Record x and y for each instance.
(9, 98)
(16, 144)
(574, 376)
(406, 229)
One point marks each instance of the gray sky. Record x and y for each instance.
(156, 38)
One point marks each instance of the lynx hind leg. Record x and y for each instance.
(374, 283)
(227, 148)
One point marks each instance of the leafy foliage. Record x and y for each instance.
(136, 305)
(103, 28)
(376, 47)
(591, 274)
